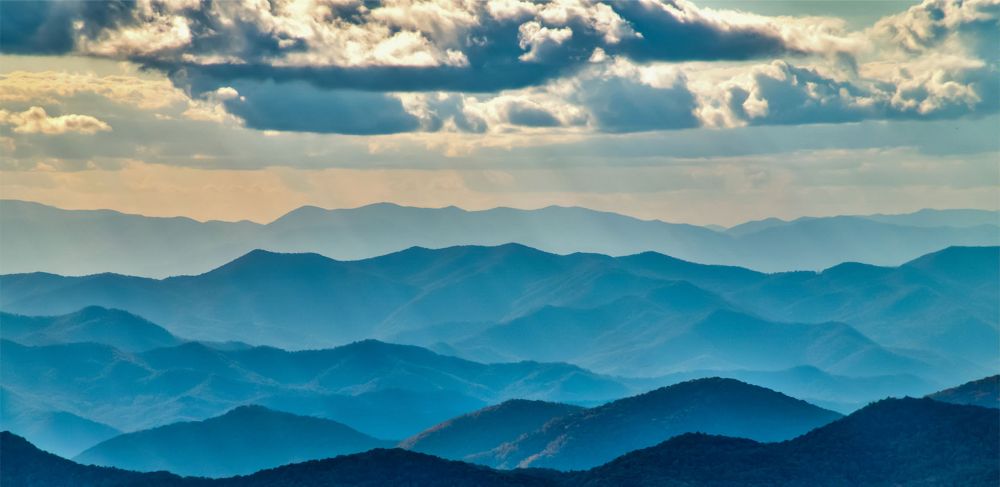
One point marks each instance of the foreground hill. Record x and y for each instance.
(112, 327)
(480, 431)
(935, 317)
(359, 384)
(26, 465)
(720, 406)
(78, 242)
(893, 442)
(984, 392)
(242, 441)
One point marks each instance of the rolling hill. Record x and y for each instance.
(591, 437)
(51, 429)
(892, 442)
(480, 431)
(242, 441)
(844, 394)
(984, 392)
(94, 324)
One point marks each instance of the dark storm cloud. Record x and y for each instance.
(37, 27)
(624, 105)
(665, 37)
(528, 116)
(304, 108)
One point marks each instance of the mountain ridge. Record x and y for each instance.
(594, 436)
(33, 244)
(929, 315)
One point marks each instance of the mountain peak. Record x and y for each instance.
(260, 260)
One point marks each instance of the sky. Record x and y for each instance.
(711, 112)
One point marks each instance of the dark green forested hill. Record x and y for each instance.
(892, 442)
(984, 392)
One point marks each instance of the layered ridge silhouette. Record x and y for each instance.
(642, 315)
(43, 238)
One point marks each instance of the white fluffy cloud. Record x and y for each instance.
(49, 86)
(36, 121)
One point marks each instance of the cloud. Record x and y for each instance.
(934, 23)
(782, 94)
(300, 107)
(622, 104)
(50, 86)
(515, 66)
(37, 27)
(445, 44)
(36, 121)
(531, 116)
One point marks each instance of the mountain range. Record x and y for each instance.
(96, 389)
(78, 242)
(642, 315)
(892, 442)
(375, 352)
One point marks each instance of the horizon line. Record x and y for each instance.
(708, 226)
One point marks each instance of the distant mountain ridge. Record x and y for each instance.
(892, 442)
(79, 242)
